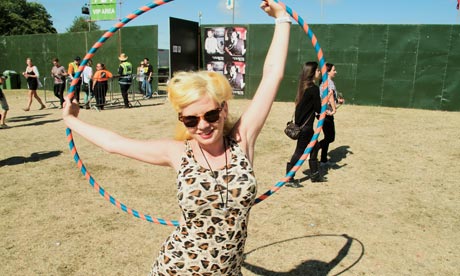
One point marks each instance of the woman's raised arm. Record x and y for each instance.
(164, 152)
(251, 122)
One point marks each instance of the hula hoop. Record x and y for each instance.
(120, 25)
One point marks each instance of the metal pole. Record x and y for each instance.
(458, 16)
(119, 13)
(86, 41)
(119, 30)
(322, 13)
(89, 30)
(233, 13)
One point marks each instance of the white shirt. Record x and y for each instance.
(87, 74)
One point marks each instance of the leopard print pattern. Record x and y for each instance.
(212, 239)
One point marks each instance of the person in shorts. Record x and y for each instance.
(4, 105)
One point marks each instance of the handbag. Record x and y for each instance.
(85, 87)
(292, 130)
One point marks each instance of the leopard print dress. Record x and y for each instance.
(211, 241)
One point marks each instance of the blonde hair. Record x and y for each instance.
(186, 88)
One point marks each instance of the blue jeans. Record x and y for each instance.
(147, 87)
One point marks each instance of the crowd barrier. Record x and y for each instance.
(113, 96)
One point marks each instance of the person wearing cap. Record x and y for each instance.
(125, 72)
(72, 71)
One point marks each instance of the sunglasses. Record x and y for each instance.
(211, 116)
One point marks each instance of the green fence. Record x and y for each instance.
(136, 42)
(412, 66)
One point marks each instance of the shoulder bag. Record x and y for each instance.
(292, 130)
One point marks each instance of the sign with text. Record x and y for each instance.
(103, 9)
(102, 2)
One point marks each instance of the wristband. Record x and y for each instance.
(283, 19)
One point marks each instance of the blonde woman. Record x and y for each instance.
(212, 157)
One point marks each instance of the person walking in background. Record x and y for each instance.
(328, 124)
(140, 76)
(71, 72)
(100, 84)
(125, 73)
(4, 105)
(212, 157)
(148, 70)
(87, 82)
(31, 74)
(307, 103)
(59, 76)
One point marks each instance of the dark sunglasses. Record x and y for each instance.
(211, 116)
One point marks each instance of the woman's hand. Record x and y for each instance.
(273, 9)
(70, 108)
(330, 112)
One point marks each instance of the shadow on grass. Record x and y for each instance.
(32, 120)
(310, 267)
(27, 117)
(34, 157)
(336, 155)
(339, 153)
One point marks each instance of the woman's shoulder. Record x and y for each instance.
(231, 140)
(312, 89)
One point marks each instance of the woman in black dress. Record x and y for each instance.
(32, 75)
(307, 104)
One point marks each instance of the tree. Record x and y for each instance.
(19, 17)
(80, 24)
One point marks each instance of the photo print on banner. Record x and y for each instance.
(225, 52)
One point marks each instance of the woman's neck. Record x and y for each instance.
(216, 149)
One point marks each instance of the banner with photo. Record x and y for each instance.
(225, 52)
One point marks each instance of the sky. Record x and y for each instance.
(63, 12)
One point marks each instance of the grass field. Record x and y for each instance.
(390, 206)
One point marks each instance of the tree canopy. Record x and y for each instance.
(19, 17)
(80, 24)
